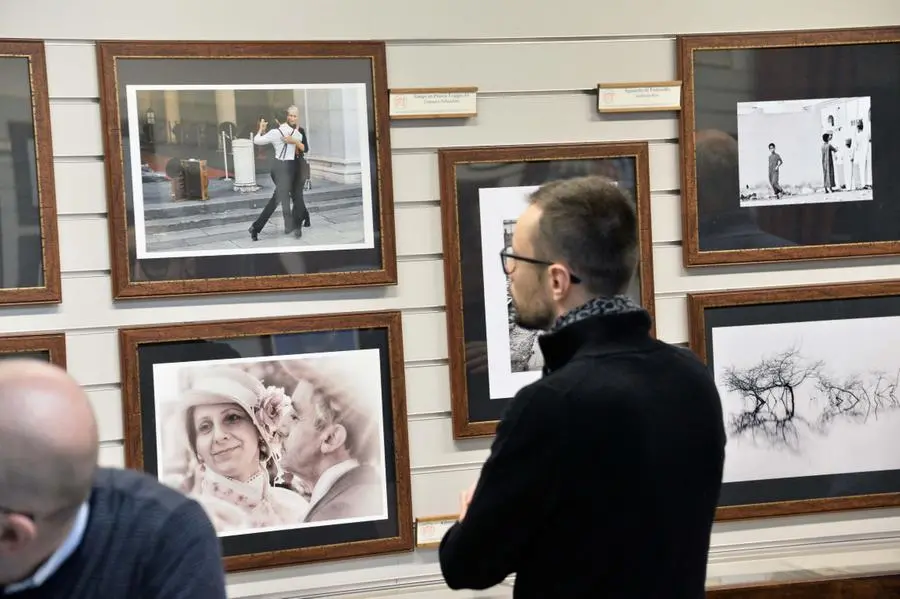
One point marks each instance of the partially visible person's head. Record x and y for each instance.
(330, 423)
(293, 116)
(231, 421)
(577, 239)
(48, 456)
(717, 172)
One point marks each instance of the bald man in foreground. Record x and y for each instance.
(71, 530)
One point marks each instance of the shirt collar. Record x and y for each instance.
(56, 560)
(329, 477)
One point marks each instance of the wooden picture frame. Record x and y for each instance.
(760, 181)
(29, 237)
(309, 381)
(807, 392)
(205, 218)
(50, 347)
(466, 174)
(864, 586)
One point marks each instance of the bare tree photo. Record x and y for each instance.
(784, 392)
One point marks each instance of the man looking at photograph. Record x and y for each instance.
(290, 143)
(604, 476)
(70, 529)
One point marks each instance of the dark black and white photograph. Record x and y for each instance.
(805, 151)
(249, 169)
(809, 398)
(483, 193)
(275, 443)
(524, 350)
(785, 135)
(29, 248)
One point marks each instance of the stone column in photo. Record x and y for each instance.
(226, 109)
(172, 111)
(333, 134)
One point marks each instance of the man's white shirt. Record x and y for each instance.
(274, 137)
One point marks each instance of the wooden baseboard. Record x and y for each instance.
(858, 587)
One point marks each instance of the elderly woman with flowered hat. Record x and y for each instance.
(231, 422)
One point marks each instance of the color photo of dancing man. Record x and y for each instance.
(289, 173)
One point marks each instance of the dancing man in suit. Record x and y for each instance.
(290, 143)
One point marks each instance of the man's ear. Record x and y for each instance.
(16, 533)
(335, 438)
(559, 281)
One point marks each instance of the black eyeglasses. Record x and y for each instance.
(506, 254)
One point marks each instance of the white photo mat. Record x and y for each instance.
(846, 348)
(496, 205)
(796, 127)
(134, 149)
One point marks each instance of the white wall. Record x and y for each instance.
(531, 60)
(798, 140)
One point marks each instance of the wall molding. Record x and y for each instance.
(721, 556)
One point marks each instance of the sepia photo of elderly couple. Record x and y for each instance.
(275, 443)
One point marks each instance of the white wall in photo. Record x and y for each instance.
(531, 74)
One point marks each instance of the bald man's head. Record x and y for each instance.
(48, 436)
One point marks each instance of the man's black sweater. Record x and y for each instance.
(604, 475)
(143, 541)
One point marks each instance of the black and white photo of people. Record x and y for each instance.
(805, 151)
(274, 443)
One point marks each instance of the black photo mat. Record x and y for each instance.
(806, 487)
(273, 346)
(725, 77)
(470, 177)
(246, 71)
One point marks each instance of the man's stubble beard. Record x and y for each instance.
(540, 320)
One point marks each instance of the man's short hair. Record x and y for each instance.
(589, 224)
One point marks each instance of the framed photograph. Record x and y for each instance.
(247, 167)
(47, 347)
(809, 380)
(784, 135)
(291, 432)
(483, 191)
(29, 240)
